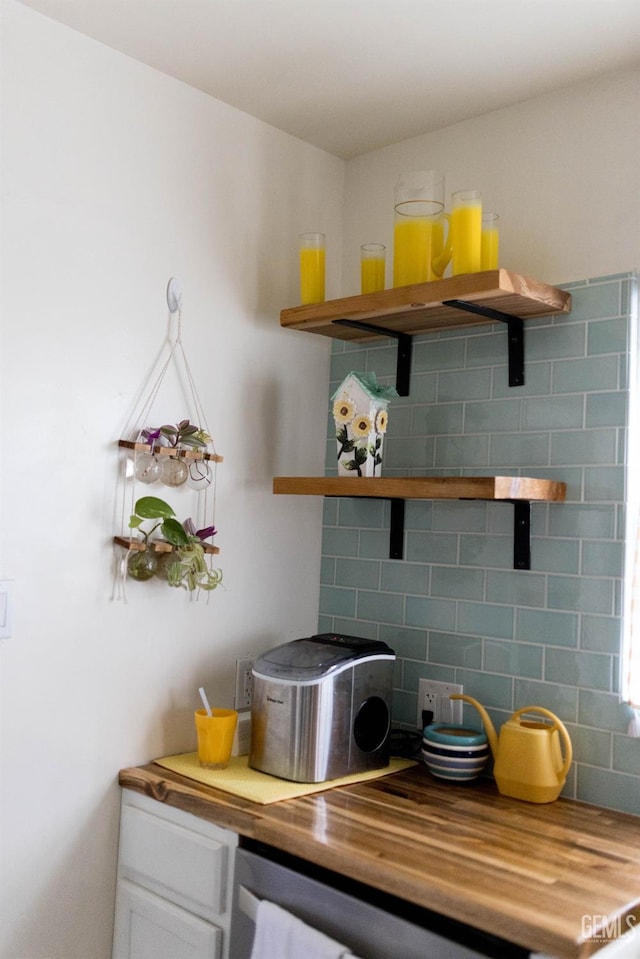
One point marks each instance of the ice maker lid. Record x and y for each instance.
(313, 657)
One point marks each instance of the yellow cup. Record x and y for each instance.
(466, 232)
(490, 241)
(312, 267)
(215, 736)
(372, 267)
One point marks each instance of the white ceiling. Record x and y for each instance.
(351, 76)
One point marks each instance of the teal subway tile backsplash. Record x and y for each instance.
(430, 612)
(514, 659)
(600, 372)
(427, 546)
(561, 700)
(596, 300)
(592, 746)
(544, 413)
(605, 409)
(337, 602)
(608, 335)
(583, 447)
(455, 453)
(486, 619)
(454, 581)
(547, 627)
(590, 595)
(518, 451)
(380, 607)
(542, 345)
(626, 758)
(431, 354)
(409, 578)
(602, 787)
(600, 634)
(492, 416)
(604, 483)
(454, 609)
(361, 573)
(578, 668)
(516, 587)
(602, 558)
(455, 649)
(578, 521)
(468, 385)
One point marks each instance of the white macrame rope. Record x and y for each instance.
(206, 497)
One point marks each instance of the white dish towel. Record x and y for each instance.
(280, 935)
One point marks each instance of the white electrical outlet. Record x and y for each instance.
(244, 683)
(434, 697)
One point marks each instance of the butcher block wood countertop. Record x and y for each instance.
(526, 872)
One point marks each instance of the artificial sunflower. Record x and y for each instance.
(382, 418)
(343, 410)
(361, 426)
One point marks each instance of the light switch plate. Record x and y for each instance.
(6, 608)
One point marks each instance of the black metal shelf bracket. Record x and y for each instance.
(521, 531)
(515, 333)
(396, 529)
(405, 343)
(521, 534)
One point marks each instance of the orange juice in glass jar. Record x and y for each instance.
(418, 227)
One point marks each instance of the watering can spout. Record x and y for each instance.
(488, 725)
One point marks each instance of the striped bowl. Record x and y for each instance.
(453, 752)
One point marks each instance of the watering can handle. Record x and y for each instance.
(557, 724)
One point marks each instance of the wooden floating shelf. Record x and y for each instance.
(155, 546)
(426, 307)
(187, 454)
(489, 297)
(521, 491)
(425, 487)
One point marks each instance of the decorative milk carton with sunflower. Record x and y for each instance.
(360, 414)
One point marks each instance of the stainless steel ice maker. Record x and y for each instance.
(322, 708)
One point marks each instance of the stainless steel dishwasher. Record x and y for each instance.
(372, 924)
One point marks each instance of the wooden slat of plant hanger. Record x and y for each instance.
(156, 545)
(187, 454)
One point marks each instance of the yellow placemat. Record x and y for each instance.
(238, 778)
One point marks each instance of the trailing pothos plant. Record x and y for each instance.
(186, 565)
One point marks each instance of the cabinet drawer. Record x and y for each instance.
(178, 856)
(148, 927)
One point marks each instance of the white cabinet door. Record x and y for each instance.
(148, 927)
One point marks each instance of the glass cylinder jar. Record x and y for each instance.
(418, 228)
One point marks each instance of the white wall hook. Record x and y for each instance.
(174, 295)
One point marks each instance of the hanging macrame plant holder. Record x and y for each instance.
(156, 542)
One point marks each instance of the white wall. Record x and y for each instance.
(561, 169)
(114, 179)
